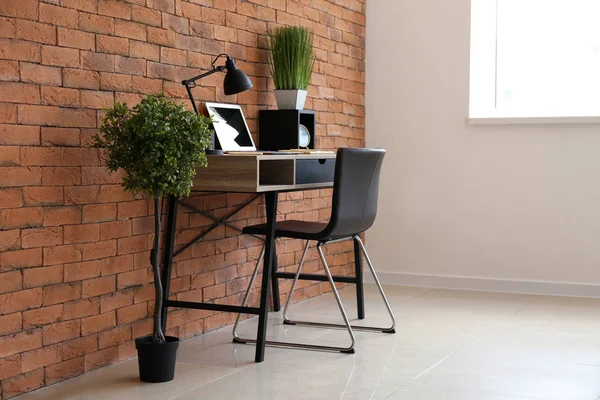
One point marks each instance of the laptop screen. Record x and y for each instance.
(230, 127)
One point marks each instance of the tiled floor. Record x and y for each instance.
(450, 345)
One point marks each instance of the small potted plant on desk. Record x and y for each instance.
(158, 145)
(291, 60)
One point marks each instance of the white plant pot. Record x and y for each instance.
(290, 99)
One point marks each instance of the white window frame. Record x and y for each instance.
(482, 90)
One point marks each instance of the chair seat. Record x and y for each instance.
(290, 229)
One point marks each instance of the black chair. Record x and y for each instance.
(353, 211)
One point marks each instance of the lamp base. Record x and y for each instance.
(215, 152)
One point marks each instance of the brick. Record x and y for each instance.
(131, 209)
(83, 5)
(116, 229)
(58, 96)
(112, 301)
(112, 45)
(10, 281)
(44, 276)
(62, 137)
(12, 92)
(101, 358)
(162, 5)
(191, 11)
(114, 193)
(161, 71)
(40, 358)
(161, 37)
(133, 244)
(10, 240)
(136, 312)
(23, 383)
(61, 176)
(98, 61)
(97, 250)
(42, 316)
(114, 8)
(62, 254)
(132, 279)
(9, 70)
(21, 9)
(41, 156)
(59, 56)
(81, 157)
(78, 347)
(8, 112)
(35, 32)
(213, 16)
(82, 194)
(131, 66)
(81, 308)
(120, 82)
(98, 286)
(60, 293)
(9, 156)
(76, 78)
(64, 370)
(43, 196)
(99, 213)
(146, 85)
(95, 99)
(20, 342)
(12, 49)
(96, 23)
(173, 56)
(144, 50)
(11, 198)
(10, 323)
(10, 366)
(75, 39)
(30, 217)
(145, 15)
(113, 337)
(57, 216)
(176, 24)
(56, 15)
(98, 323)
(41, 237)
(115, 265)
(82, 270)
(61, 331)
(131, 30)
(100, 175)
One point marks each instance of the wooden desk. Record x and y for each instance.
(260, 174)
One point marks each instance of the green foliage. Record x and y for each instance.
(291, 57)
(158, 144)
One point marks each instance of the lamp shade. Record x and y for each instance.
(236, 81)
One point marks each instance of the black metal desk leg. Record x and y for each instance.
(271, 208)
(274, 281)
(168, 255)
(360, 296)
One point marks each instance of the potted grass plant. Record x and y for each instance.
(159, 145)
(291, 60)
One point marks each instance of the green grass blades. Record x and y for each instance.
(291, 57)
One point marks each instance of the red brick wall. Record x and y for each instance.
(75, 283)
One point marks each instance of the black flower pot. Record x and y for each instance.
(156, 361)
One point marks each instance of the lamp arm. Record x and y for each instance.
(190, 82)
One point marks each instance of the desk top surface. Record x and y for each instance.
(256, 173)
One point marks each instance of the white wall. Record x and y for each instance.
(520, 203)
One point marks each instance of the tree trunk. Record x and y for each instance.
(159, 335)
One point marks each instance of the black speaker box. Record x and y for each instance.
(279, 129)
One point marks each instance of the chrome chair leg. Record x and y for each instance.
(391, 329)
(247, 295)
(349, 349)
(289, 299)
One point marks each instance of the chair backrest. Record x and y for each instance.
(355, 191)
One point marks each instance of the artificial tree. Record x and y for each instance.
(158, 145)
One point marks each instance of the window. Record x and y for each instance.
(535, 58)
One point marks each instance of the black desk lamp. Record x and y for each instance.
(236, 81)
